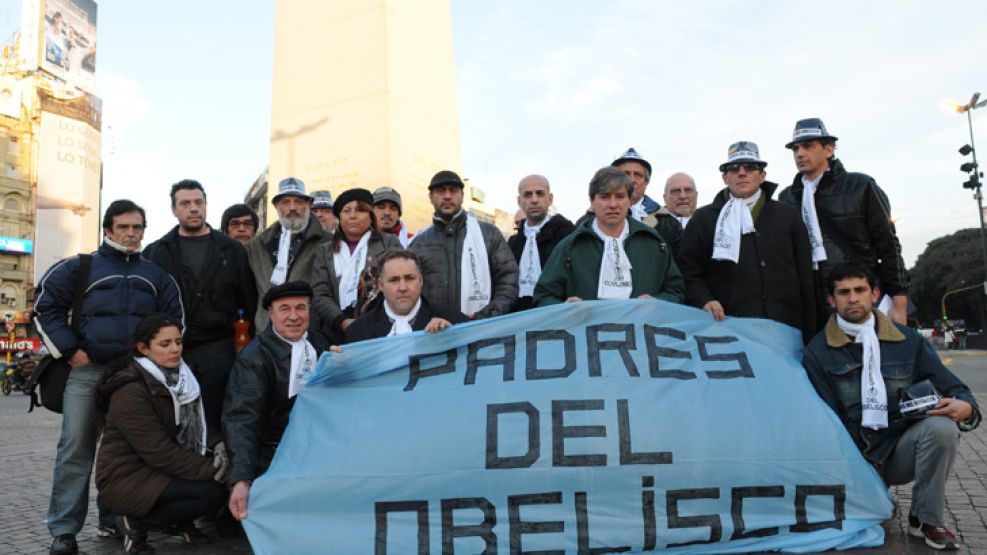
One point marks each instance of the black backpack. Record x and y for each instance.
(51, 373)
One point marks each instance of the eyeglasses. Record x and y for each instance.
(730, 168)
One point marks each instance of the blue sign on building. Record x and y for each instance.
(12, 245)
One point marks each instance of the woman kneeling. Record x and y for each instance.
(154, 466)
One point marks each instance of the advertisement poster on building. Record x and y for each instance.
(69, 172)
(70, 41)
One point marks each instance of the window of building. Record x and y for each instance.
(11, 203)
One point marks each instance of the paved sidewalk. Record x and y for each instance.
(27, 446)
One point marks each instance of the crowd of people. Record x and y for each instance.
(185, 419)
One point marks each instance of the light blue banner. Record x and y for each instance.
(614, 426)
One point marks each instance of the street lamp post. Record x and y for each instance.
(974, 182)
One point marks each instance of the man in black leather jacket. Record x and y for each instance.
(261, 392)
(851, 220)
(217, 287)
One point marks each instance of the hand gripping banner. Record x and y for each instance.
(594, 427)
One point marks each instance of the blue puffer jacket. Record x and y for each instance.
(122, 288)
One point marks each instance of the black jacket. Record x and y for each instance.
(669, 227)
(555, 229)
(375, 323)
(227, 285)
(256, 408)
(773, 276)
(855, 219)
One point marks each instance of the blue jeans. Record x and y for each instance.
(76, 452)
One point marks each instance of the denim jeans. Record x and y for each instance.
(76, 452)
(925, 454)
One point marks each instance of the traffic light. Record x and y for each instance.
(970, 168)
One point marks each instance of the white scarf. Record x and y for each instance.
(403, 236)
(529, 270)
(119, 247)
(402, 324)
(348, 267)
(185, 391)
(811, 220)
(474, 272)
(638, 211)
(302, 365)
(735, 220)
(873, 395)
(684, 220)
(615, 268)
(280, 272)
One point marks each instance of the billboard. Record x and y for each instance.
(68, 40)
(69, 174)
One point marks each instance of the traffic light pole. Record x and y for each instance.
(977, 194)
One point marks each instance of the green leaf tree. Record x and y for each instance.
(948, 263)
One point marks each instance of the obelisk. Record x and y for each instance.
(364, 95)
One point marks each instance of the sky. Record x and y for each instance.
(562, 87)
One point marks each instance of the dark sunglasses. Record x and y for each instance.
(747, 167)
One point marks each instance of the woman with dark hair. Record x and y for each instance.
(341, 264)
(154, 466)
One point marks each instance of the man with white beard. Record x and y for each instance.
(276, 257)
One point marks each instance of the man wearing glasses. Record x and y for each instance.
(747, 255)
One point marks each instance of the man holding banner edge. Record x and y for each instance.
(903, 440)
(610, 256)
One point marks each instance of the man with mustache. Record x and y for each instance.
(466, 263)
(887, 386)
(285, 250)
(120, 288)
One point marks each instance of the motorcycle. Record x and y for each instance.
(16, 375)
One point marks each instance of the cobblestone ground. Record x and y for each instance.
(27, 446)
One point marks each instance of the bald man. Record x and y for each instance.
(534, 198)
(680, 196)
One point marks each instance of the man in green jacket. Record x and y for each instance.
(610, 256)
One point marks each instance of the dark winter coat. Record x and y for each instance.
(123, 288)
(773, 276)
(855, 219)
(376, 323)
(833, 362)
(573, 270)
(325, 283)
(138, 454)
(260, 255)
(669, 227)
(226, 285)
(440, 247)
(256, 408)
(554, 230)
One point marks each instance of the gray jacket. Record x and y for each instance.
(261, 261)
(441, 247)
(325, 282)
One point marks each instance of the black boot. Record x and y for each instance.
(188, 532)
(134, 535)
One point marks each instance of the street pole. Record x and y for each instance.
(977, 192)
(952, 291)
